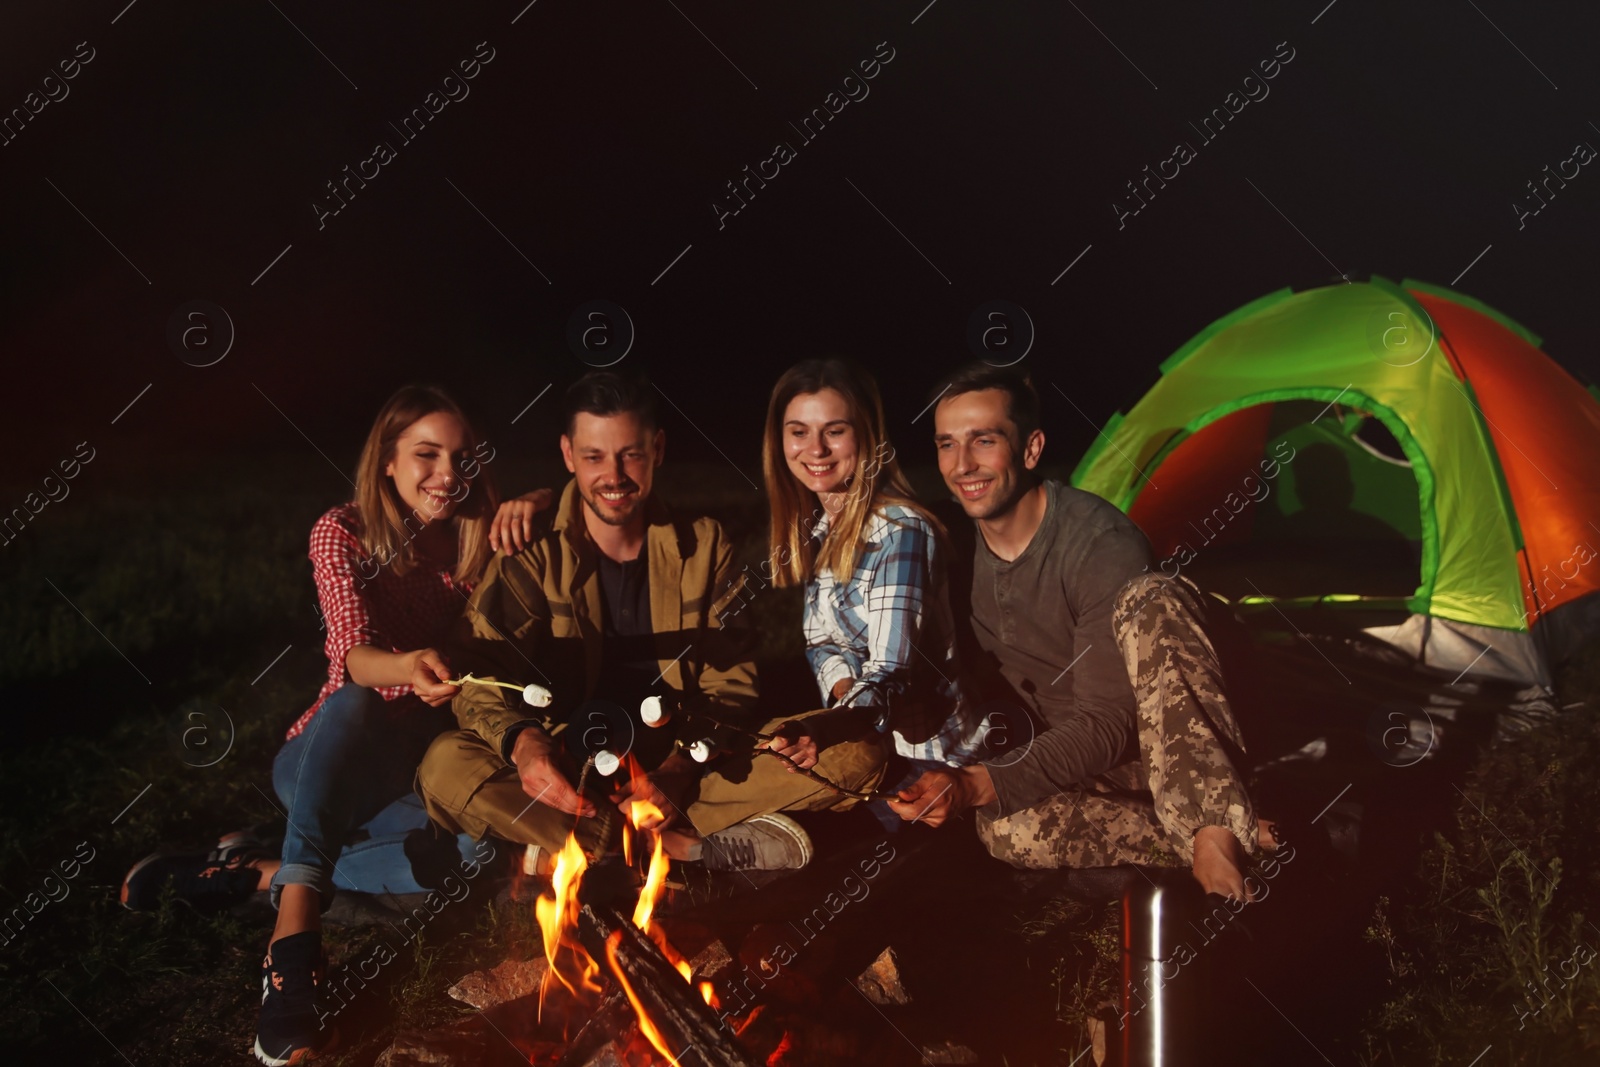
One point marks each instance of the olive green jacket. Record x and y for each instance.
(536, 618)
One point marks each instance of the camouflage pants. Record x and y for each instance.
(1147, 812)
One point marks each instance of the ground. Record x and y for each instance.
(131, 620)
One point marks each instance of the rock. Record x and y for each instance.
(606, 1057)
(881, 983)
(710, 962)
(1097, 1039)
(947, 1052)
(507, 981)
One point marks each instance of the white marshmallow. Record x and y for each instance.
(607, 762)
(700, 751)
(537, 695)
(654, 712)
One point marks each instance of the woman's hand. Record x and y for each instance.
(425, 670)
(792, 741)
(512, 528)
(841, 687)
(429, 674)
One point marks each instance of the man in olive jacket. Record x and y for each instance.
(619, 599)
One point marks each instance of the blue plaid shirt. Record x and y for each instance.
(889, 629)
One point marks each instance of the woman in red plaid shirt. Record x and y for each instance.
(393, 570)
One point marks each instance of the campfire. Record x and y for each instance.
(599, 960)
(610, 988)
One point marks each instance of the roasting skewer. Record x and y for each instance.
(702, 750)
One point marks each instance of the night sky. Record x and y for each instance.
(188, 158)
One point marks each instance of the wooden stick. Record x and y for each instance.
(808, 772)
(465, 678)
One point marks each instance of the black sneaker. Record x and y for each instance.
(288, 1031)
(206, 880)
(764, 843)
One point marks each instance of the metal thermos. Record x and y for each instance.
(1160, 1024)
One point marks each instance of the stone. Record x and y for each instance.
(947, 1052)
(507, 981)
(1097, 1039)
(881, 983)
(607, 1056)
(710, 962)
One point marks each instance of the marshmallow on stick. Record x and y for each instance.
(536, 695)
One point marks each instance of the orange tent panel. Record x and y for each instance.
(1546, 431)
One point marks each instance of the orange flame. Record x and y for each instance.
(558, 917)
(654, 882)
(708, 993)
(557, 913)
(650, 895)
(785, 1046)
(647, 1026)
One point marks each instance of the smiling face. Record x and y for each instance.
(982, 461)
(819, 442)
(614, 458)
(427, 466)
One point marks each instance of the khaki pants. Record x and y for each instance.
(469, 789)
(1186, 734)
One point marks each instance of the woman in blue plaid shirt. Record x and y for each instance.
(846, 526)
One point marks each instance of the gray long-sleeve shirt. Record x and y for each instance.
(1042, 622)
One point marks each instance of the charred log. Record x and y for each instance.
(684, 1020)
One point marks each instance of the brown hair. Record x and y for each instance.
(606, 393)
(387, 534)
(1022, 401)
(876, 481)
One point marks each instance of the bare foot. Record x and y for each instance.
(1219, 863)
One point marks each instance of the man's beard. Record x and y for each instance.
(591, 499)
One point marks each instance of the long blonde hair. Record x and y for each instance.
(386, 534)
(876, 481)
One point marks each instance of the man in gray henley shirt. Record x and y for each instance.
(1131, 760)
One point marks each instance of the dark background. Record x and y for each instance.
(183, 166)
(597, 139)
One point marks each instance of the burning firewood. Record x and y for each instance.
(666, 1004)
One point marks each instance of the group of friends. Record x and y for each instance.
(1037, 610)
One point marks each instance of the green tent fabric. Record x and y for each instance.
(1372, 347)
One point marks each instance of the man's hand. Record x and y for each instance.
(944, 793)
(792, 741)
(841, 687)
(512, 528)
(638, 796)
(542, 778)
(666, 788)
(429, 672)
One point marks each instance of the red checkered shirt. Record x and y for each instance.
(397, 614)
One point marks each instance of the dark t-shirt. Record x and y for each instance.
(1041, 635)
(628, 665)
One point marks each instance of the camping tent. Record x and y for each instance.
(1389, 445)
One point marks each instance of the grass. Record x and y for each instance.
(1496, 947)
(125, 613)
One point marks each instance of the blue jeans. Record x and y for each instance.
(355, 822)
